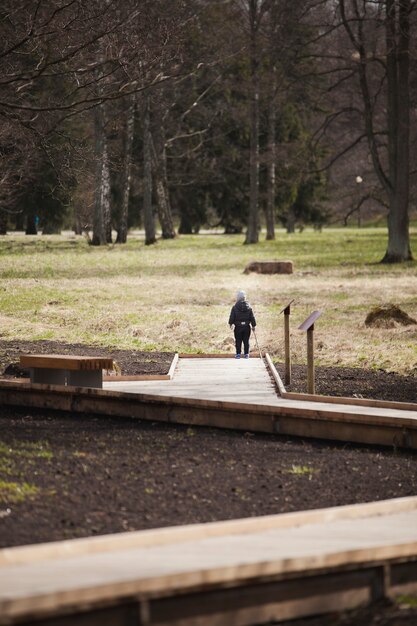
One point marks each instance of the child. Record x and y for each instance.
(241, 319)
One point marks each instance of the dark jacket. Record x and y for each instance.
(242, 315)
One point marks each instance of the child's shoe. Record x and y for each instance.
(237, 356)
(246, 356)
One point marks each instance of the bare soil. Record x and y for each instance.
(129, 361)
(89, 475)
(352, 382)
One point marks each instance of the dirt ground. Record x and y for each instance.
(65, 476)
(333, 381)
(354, 382)
(129, 361)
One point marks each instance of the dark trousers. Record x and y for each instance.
(242, 333)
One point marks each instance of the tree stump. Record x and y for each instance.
(269, 267)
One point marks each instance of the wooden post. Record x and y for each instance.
(308, 326)
(310, 360)
(287, 345)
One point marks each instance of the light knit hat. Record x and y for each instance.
(241, 295)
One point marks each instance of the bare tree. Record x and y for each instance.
(101, 219)
(50, 66)
(254, 15)
(148, 218)
(394, 176)
(374, 58)
(159, 165)
(127, 170)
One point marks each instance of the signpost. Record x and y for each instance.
(287, 350)
(308, 326)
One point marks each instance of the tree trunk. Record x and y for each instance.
(252, 234)
(20, 221)
(159, 172)
(107, 197)
(397, 181)
(127, 171)
(148, 218)
(291, 220)
(270, 199)
(31, 228)
(101, 219)
(76, 227)
(3, 223)
(398, 248)
(185, 227)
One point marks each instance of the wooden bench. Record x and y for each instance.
(64, 369)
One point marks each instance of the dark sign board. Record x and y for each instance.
(308, 323)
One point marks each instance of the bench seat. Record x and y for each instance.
(64, 369)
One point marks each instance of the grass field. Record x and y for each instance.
(177, 295)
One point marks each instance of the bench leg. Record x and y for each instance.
(85, 378)
(46, 376)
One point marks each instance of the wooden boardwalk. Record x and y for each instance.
(229, 393)
(244, 381)
(239, 572)
(249, 382)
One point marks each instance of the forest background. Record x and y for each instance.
(231, 114)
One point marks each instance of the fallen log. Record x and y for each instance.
(269, 267)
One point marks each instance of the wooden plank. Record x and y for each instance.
(262, 603)
(144, 377)
(346, 412)
(206, 356)
(376, 429)
(275, 375)
(173, 366)
(65, 361)
(13, 392)
(227, 379)
(383, 404)
(355, 432)
(343, 546)
(229, 394)
(137, 378)
(195, 532)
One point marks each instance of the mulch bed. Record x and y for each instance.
(354, 382)
(131, 362)
(96, 475)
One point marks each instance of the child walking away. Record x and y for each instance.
(241, 319)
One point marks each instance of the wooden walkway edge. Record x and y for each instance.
(239, 572)
(370, 423)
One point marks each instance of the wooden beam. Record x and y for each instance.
(300, 419)
(194, 532)
(365, 402)
(206, 356)
(135, 378)
(240, 572)
(65, 361)
(173, 366)
(275, 375)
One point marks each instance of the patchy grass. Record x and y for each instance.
(26, 449)
(406, 602)
(302, 470)
(20, 461)
(176, 296)
(11, 492)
